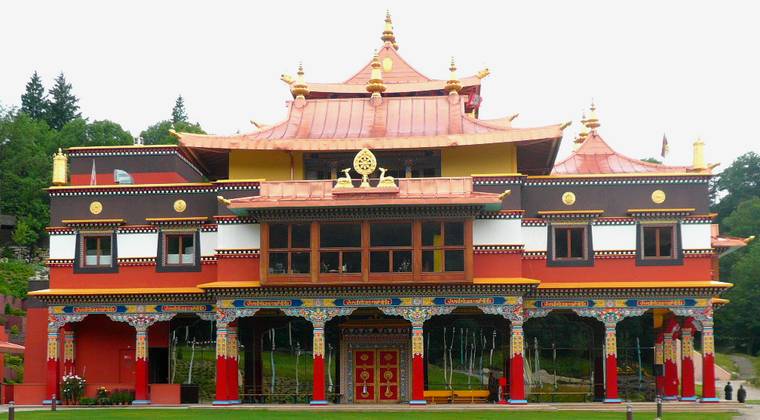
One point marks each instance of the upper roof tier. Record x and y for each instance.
(595, 156)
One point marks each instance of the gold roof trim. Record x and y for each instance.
(125, 146)
(627, 175)
(125, 291)
(635, 285)
(681, 210)
(97, 221)
(176, 219)
(557, 212)
(230, 285)
(504, 280)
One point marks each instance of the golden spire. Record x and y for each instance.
(59, 168)
(388, 35)
(592, 121)
(453, 84)
(299, 88)
(375, 84)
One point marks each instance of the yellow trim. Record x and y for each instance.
(550, 212)
(176, 219)
(230, 284)
(177, 184)
(719, 301)
(130, 146)
(497, 175)
(661, 210)
(98, 221)
(126, 291)
(626, 175)
(633, 285)
(225, 181)
(504, 280)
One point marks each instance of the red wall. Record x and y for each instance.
(139, 178)
(237, 269)
(129, 277)
(498, 265)
(35, 354)
(622, 269)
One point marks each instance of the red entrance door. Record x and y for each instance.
(376, 376)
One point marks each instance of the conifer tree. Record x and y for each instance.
(33, 101)
(179, 114)
(62, 107)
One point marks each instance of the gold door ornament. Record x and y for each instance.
(658, 196)
(365, 164)
(96, 207)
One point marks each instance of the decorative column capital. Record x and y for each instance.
(56, 321)
(417, 315)
(701, 316)
(610, 316)
(318, 316)
(140, 321)
(514, 313)
(226, 316)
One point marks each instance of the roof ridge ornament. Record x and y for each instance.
(583, 134)
(388, 35)
(453, 85)
(299, 88)
(375, 84)
(592, 122)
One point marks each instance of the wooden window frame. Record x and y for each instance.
(99, 255)
(443, 247)
(340, 251)
(290, 250)
(676, 257)
(365, 276)
(586, 260)
(181, 236)
(80, 251)
(390, 274)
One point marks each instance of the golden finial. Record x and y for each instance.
(59, 168)
(375, 84)
(299, 88)
(483, 73)
(592, 121)
(699, 155)
(453, 84)
(388, 35)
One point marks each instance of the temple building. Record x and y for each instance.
(379, 207)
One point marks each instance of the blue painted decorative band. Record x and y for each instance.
(50, 402)
(612, 400)
(220, 402)
(710, 400)
(318, 402)
(669, 398)
(140, 402)
(417, 402)
(518, 401)
(235, 402)
(694, 398)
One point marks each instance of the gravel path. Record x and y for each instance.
(745, 366)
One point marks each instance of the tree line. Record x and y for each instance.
(49, 120)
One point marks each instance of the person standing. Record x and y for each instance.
(741, 394)
(729, 390)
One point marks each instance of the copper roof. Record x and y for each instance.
(410, 191)
(727, 243)
(595, 156)
(401, 71)
(355, 123)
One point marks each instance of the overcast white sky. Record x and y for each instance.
(684, 68)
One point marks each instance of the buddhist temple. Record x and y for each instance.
(379, 211)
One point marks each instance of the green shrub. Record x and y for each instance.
(86, 401)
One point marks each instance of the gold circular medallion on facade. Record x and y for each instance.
(96, 207)
(180, 206)
(658, 196)
(387, 64)
(568, 198)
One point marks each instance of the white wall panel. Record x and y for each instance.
(614, 237)
(208, 244)
(534, 238)
(62, 246)
(137, 245)
(243, 236)
(496, 232)
(695, 236)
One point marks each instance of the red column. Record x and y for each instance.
(141, 366)
(687, 361)
(68, 350)
(659, 361)
(516, 365)
(418, 366)
(610, 359)
(708, 363)
(670, 365)
(53, 368)
(318, 351)
(221, 365)
(233, 389)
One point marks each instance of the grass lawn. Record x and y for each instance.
(202, 414)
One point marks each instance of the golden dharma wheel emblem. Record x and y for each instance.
(568, 198)
(180, 206)
(364, 164)
(658, 196)
(96, 207)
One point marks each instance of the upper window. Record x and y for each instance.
(658, 242)
(340, 248)
(180, 249)
(289, 248)
(442, 246)
(570, 243)
(390, 247)
(97, 251)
